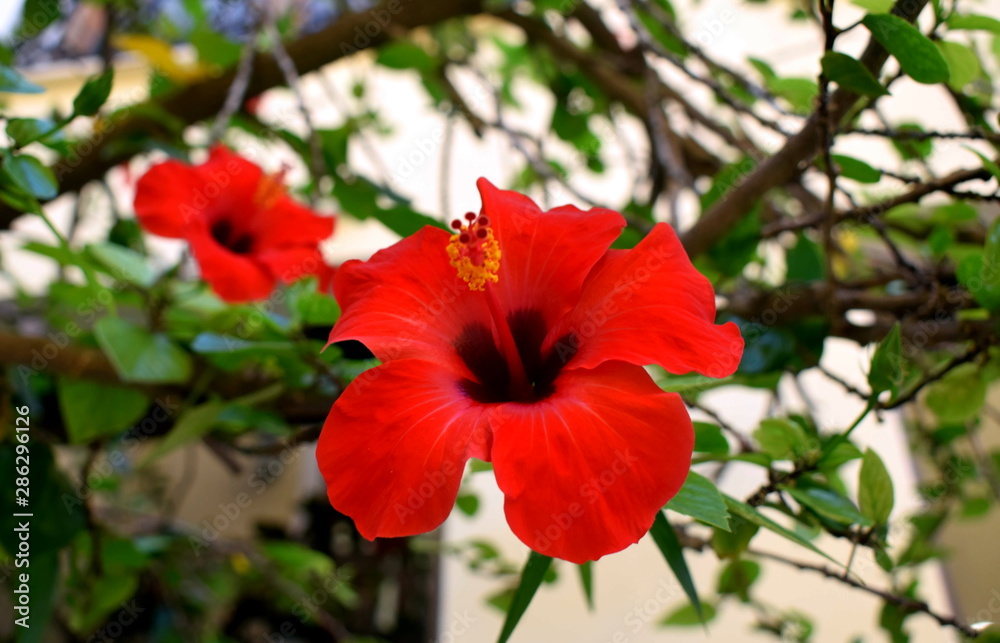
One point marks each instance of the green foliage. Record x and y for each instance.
(851, 74)
(531, 578)
(875, 490)
(141, 356)
(917, 55)
(669, 545)
(700, 499)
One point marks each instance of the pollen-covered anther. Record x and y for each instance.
(270, 189)
(474, 251)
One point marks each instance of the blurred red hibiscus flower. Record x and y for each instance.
(520, 340)
(245, 231)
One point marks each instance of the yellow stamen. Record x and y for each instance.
(269, 190)
(474, 252)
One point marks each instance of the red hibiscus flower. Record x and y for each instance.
(245, 232)
(520, 340)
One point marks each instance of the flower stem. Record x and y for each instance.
(520, 385)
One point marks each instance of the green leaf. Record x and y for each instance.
(587, 582)
(782, 439)
(954, 212)
(737, 577)
(911, 149)
(799, 92)
(804, 261)
(875, 6)
(957, 396)
(531, 578)
(192, 425)
(94, 93)
(875, 492)
(988, 164)
(746, 512)
(14, 83)
(141, 356)
(856, 169)
(57, 511)
(92, 410)
(708, 438)
(917, 55)
(980, 278)
(886, 371)
(829, 504)
(699, 498)
(405, 54)
(666, 540)
(963, 64)
(123, 263)
(686, 615)
(973, 22)
(467, 503)
(733, 544)
(26, 130)
(851, 74)
(31, 175)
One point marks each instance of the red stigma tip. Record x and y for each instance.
(481, 233)
(464, 238)
(483, 221)
(469, 216)
(457, 224)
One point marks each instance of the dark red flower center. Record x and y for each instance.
(486, 360)
(239, 243)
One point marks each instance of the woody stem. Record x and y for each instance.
(520, 384)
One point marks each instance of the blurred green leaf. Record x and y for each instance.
(57, 512)
(781, 439)
(875, 492)
(829, 504)
(917, 55)
(963, 63)
(92, 410)
(141, 356)
(94, 93)
(708, 438)
(687, 615)
(586, 571)
(668, 544)
(31, 175)
(122, 263)
(531, 578)
(851, 74)
(14, 83)
(746, 512)
(856, 169)
(973, 22)
(885, 373)
(26, 130)
(958, 396)
(737, 577)
(804, 261)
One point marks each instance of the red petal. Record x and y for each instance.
(649, 305)
(289, 264)
(289, 224)
(545, 256)
(233, 277)
(407, 300)
(168, 200)
(585, 471)
(394, 447)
